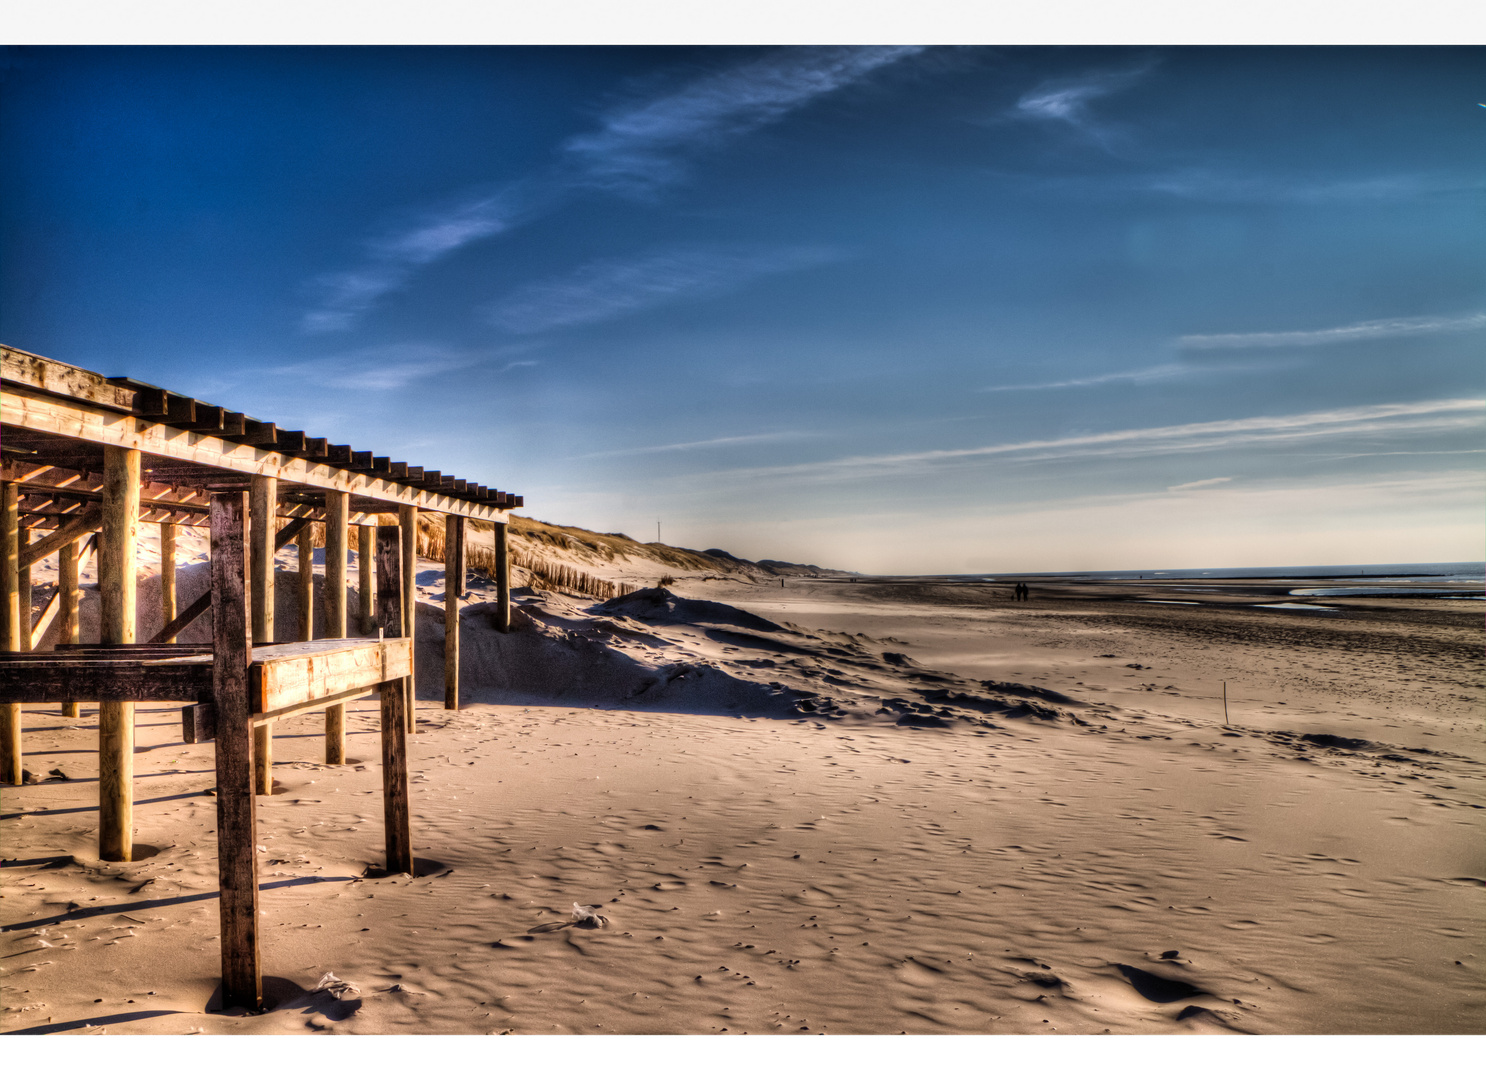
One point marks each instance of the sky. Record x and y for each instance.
(894, 309)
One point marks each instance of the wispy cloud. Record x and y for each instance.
(391, 367)
(704, 444)
(1363, 331)
(1194, 485)
(643, 145)
(609, 288)
(1150, 374)
(1066, 101)
(639, 148)
(1206, 185)
(1208, 436)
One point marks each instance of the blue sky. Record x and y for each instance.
(892, 308)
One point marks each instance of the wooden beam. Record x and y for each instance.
(337, 510)
(407, 521)
(237, 837)
(396, 812)
(63, 380)
(502, 578)
(10, 625)
(366, 570)
(24, 408)
(263, 503)
(69, 568)
(167, 576)
(117, 546)
(294, 672)
(199, 607)
(24, 594)
(453, 588)
(37, 677)
(59, 538)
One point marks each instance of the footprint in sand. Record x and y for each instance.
(667, 886)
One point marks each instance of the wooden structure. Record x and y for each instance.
(84, 460)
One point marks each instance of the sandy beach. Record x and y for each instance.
(824, 807)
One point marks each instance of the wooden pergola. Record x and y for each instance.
(84, 461)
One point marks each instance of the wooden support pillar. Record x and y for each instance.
(305, 585)
(117, 544)
(396, 813)
(407, 521)
(366, 569)
(337, 513)
(10, 626)
(453, 589)
(69, 594)
(502, 579)
(24, 595)
(237, 840)
(167, 576)
(263, 522)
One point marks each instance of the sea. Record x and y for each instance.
(1462, 580)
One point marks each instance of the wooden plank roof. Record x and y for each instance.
(57, 418)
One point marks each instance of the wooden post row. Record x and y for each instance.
(305, 586)
(337, 513)
(237, 839)
(453, 588)
(117, 543)
(395, 810)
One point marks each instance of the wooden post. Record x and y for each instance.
(366, 568)
(117, 544)
(337, 511)
(305, 586)
(24, 595)
(167, 576)
(70, 630)
(407, 521)
(502, 579)
(396, 813)
(453, 588)
(10, 626)
(237, 840)
(263, 522)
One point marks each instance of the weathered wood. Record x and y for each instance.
(23, 407)
(62, 379)
(366, 570)
(304, 586)
(453, 588)
(10, 626)
(396, 813)
(263, 503)
(70, 594)
(118, 543)
(199, 721)
(237, 840)
(337, 510)
(167, 576)
(57, 539)
(502, 578)
(407, 521)
(282, 677)
(104, 681)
